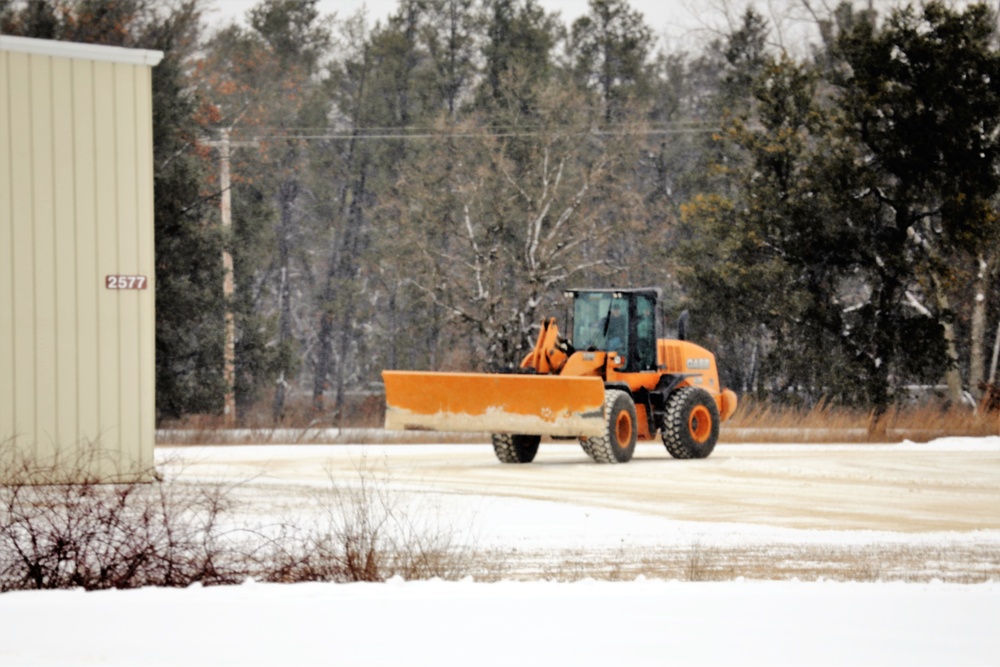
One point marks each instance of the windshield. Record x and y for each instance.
(600, 322)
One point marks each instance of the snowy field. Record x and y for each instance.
(761, 554)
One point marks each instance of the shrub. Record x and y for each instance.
(170, 533)
(95, 536)
(364, 532)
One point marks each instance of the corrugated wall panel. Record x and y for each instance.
(108, 317)
(24, 425)
(6, 251)
(88, 284)
(145, 251)
(77, 363)
(44, 242)
(67, 383)
(129, 259)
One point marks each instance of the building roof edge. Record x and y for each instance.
(77, 50)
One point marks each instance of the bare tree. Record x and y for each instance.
(499, 222)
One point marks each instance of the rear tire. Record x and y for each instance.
(618, 442)
(691, 423)
(515, 448)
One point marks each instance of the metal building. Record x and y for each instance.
(77, 344)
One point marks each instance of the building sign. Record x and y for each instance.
(125, 282)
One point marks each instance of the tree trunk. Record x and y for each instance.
(339, 302)
(952, 376)
(346, 337)
(287, 194)
(278, 408)
(323, 360)
(977, 355)
(996, 353)
(884, 353)
(341, 262)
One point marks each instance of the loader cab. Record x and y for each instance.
(624, 321)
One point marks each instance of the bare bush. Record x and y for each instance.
(363, 532)
(84, 534)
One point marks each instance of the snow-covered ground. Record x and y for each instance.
(909, 520)
(509, 623)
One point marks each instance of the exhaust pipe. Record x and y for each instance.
(682, 324)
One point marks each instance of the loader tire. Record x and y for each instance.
(515, 448)
(618, 442)
(690, 423)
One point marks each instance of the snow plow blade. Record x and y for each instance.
(494, 403)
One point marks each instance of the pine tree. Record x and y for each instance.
(263, 82)
(921, 102)
(610, 46)
(189, 300)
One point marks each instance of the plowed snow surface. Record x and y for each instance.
(907, 511)
(909, 487)
(821, 555)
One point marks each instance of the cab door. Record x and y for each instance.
(644, 333)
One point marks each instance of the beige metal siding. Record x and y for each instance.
(7, 379)
(77, 371)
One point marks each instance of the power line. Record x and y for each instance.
(347, 136)
(434, 129)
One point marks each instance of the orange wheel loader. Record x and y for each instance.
(616, 381)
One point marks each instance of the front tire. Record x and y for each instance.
(620, 430)
(691, 423)
(515, 448)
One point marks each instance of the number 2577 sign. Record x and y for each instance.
(125, 282)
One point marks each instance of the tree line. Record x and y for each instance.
(417, 192)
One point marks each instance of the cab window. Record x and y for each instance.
(645, 332)
(600, 322)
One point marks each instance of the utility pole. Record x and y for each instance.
(228, 286)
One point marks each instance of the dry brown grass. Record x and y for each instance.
(310, 436)
(363, 531)
(756, 421)
(953, 563)
(303, 424)
(360, 411)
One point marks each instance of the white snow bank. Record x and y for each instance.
(509, 623)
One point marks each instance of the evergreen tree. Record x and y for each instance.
(610, 46)
(835, 242)
(921, 103)
(451, 42)
(264, 84)
(745, 56)
(763, 264)
(517, 49)
(189, 302)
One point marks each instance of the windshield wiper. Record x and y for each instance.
(603, 333)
